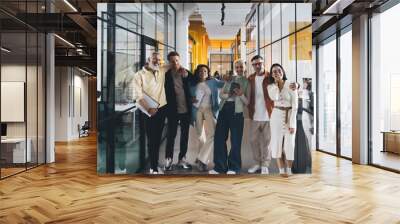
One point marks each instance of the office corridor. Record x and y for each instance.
(70, 191)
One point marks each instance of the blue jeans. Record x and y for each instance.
(227, 121)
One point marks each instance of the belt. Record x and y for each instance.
(286, 109)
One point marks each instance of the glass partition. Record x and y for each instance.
(22, 95)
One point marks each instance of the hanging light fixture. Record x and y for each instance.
(222, 14)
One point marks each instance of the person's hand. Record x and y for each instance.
(183, 72)
(152, 111)
(293, 86)
(238, 91)
(291, 130)
(227, 78)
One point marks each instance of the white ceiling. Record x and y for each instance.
(235, 15)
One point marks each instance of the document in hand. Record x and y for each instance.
(151, 103)
(199, 97)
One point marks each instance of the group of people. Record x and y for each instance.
(216, 107)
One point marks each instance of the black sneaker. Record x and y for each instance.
(202, 167)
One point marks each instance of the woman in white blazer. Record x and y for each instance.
(283, 119)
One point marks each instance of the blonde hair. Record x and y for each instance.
(240, 61)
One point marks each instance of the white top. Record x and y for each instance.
(260, 113)
(204, 91)
(285, 98)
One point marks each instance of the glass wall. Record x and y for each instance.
(346, 92)
(285, 37)
(221, 63)
(128, 33)
(334, 63)
(385, 89)
(326, 136)
(22, 77)
(251, 36)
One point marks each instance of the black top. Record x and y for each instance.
(171, 94)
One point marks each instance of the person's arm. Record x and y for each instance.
(294, 98)
(222, 94)
(242, 94)
(273, 91)
(219, 83)
(139, 93)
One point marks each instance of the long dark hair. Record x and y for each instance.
(197, 72)
(271, 79)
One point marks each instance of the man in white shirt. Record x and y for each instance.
(150, 80)
(260, 109)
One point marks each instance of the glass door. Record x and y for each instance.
(119, 133)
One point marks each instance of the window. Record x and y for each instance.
(327, 96)
(385, 89)
(221, 63)
(346, 93)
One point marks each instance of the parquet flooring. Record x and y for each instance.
(70, 191)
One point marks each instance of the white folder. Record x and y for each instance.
(151, 103)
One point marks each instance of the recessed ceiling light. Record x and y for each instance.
(5, 50)
(64, 40)
(70, 5)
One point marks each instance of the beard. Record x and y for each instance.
(154, 67)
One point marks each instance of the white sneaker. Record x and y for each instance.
(153, 172)
(289, 171)
(231, 172)
(254, 168)
(183, 164)
(264, 170)
(119, 171)
(158, 171)
(168, 164)
(212, 172)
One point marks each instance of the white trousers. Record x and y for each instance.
(280, 135)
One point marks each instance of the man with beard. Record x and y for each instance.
(150, 81)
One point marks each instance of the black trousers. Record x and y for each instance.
(154, 127)
(228, 121)
(184, 121)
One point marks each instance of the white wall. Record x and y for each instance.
(71, 102)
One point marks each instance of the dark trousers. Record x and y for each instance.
(184, 121)
(154, 127)
(227, 121)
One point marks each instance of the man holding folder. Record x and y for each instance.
(149, 93)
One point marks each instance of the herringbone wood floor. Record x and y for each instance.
(70, 191)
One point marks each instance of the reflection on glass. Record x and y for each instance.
(303, 15)
(268, 58)
(288, 19)
(127, 63)
(346, 94)
(289, 57)
(15, 152)
(276, 21)
(276, 53)
(327, 96)
(171, 26)
(161, 34)
(385, 89)
(268, 23)
(149, 19)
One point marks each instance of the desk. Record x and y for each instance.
(15, 148)
(391, 141)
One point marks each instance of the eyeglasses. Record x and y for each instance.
(257, 64)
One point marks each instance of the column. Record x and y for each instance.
(360, 90)
(183, 11)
